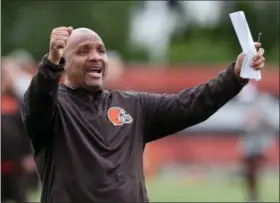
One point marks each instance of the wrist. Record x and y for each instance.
(57, 67)
(53, 59)
(236, 74)
(236, 70)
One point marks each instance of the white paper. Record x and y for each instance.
(244, 36)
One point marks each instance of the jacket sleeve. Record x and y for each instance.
(165, 114)
(40, 100)
(25, 147)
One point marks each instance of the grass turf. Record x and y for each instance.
(211, 189)
(207, 188)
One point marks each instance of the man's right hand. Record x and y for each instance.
(58, 42)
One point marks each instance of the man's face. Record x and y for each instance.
(86, 59)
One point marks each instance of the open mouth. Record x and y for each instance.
(95, 72)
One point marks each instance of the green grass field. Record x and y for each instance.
(211, 189)
(205, 188)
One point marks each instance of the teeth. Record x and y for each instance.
(98, 70)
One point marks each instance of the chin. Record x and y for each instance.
(94, 85)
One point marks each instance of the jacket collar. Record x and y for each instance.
(83, 92)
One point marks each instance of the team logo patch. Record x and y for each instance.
(118, 117)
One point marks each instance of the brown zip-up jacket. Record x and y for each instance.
(89, 147)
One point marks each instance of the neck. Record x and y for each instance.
(69, 84)
(82, 88)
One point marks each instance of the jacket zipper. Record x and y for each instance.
(95, 106)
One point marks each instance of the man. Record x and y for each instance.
(88, 142)
(17, 161)
(261, 126)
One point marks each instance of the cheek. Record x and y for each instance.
(75, 66)
(75, 63)
(106, 65)
(75, 72)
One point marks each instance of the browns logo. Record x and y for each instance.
(118, 116)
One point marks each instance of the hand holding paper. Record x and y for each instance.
(257, 62)
(248, 47)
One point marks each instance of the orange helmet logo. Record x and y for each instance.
(118, 117)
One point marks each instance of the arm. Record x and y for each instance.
(39, 101)
(166, 114)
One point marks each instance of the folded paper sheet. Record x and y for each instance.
(244, 36)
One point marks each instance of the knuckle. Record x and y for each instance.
(64, 33)
(58, 29)
(62, 28)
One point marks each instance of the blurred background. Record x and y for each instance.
(163, 47)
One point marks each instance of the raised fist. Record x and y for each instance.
(58, 41)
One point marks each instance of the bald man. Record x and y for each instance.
(88, 142)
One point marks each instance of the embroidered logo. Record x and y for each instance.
(118, 117)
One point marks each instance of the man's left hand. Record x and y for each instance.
(257, 63)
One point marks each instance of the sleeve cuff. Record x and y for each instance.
(54, 67)
(236, 79)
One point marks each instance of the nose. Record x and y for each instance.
(94, 56)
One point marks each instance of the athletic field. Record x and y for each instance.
(208, 187)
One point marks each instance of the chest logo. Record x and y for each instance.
(118, 117)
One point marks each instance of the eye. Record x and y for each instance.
(83, 51)
(101, 50)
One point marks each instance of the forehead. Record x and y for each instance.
(82, 37)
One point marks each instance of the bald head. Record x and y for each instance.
(80, 35)
(83, 32)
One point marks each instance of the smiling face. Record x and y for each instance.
(86, 60)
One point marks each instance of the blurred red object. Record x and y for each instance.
(174, 79)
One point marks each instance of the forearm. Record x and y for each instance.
(204, 100)
(44, 85)
(167, 114)
(39, 101)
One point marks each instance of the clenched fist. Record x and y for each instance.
(58, 41)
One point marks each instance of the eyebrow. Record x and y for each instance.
(89, 44)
